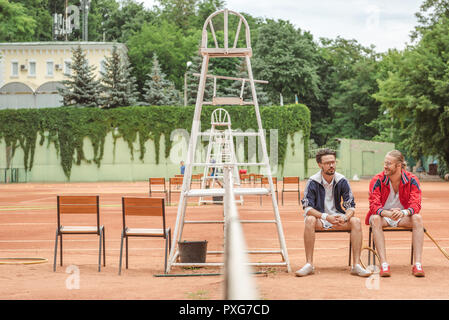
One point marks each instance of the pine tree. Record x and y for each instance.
(118, 86)
(158, 90)
(82, 88)
(193, 81)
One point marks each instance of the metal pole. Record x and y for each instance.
(185, 89)
(188, 64)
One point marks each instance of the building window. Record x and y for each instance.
(14, 69)
(50, 68)
(32, 69)
(67, 67)
(103, 66)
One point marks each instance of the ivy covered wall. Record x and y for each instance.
(67, 132)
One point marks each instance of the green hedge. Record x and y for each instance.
(67, 127)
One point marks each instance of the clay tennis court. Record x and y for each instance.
(28, 226)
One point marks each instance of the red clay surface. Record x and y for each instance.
(28, 225)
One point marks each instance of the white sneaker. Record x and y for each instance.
(358, 270)
(305, 271)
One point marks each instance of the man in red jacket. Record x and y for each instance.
(395, 201)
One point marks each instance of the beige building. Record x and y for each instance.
(30, 72)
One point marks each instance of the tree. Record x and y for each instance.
(118, 21)
(350, 80)
(15, 24)
(417, 94)
(172, 47)
(118, 86)
(179, 12)
(158, 90)
(37, 10)
(188, 14)
(430, 12)
(82, 87)
(288, 59)
(193, 81)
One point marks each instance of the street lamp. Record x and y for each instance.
(188, 64)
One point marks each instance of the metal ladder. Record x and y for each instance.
(186, 192)
(221, 151)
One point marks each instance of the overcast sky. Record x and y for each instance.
(384, 23)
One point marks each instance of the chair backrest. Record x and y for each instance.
(291, 180)
(244, 177)
(157, 182)
(220, 117)
(196, 176)
(78, 205)
(264, 180)
(229, 45)
(143, 207)
(176, 180)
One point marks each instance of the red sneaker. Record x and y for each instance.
(417, 270)
(385, 270)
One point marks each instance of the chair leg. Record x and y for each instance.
(126, 252)
(369, 245)
(350, 252)
(60, 250)
(104, 247)
(282, 197)
(99, 251)
(411, 256)
(121, 255)
(169, 239)
(56, 250)
(166, 250)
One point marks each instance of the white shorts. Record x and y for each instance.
(391, 222)
(326, 224)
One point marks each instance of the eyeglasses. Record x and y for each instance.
(388, 163)
(329, 163)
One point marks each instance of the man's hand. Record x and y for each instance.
(332, 219)
(340, 220)
(396, 214)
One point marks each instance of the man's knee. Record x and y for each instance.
(417, 221)
(375, 221)
(310, 221)
(355, 223)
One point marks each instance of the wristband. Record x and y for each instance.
(324, 216)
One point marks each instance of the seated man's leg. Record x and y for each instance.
(356, 239)
(415, 222)
(377, 223)
(356, 236)
(311, 224)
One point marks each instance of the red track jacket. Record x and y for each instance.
(379, 190)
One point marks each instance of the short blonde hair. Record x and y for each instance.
(399, 157)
